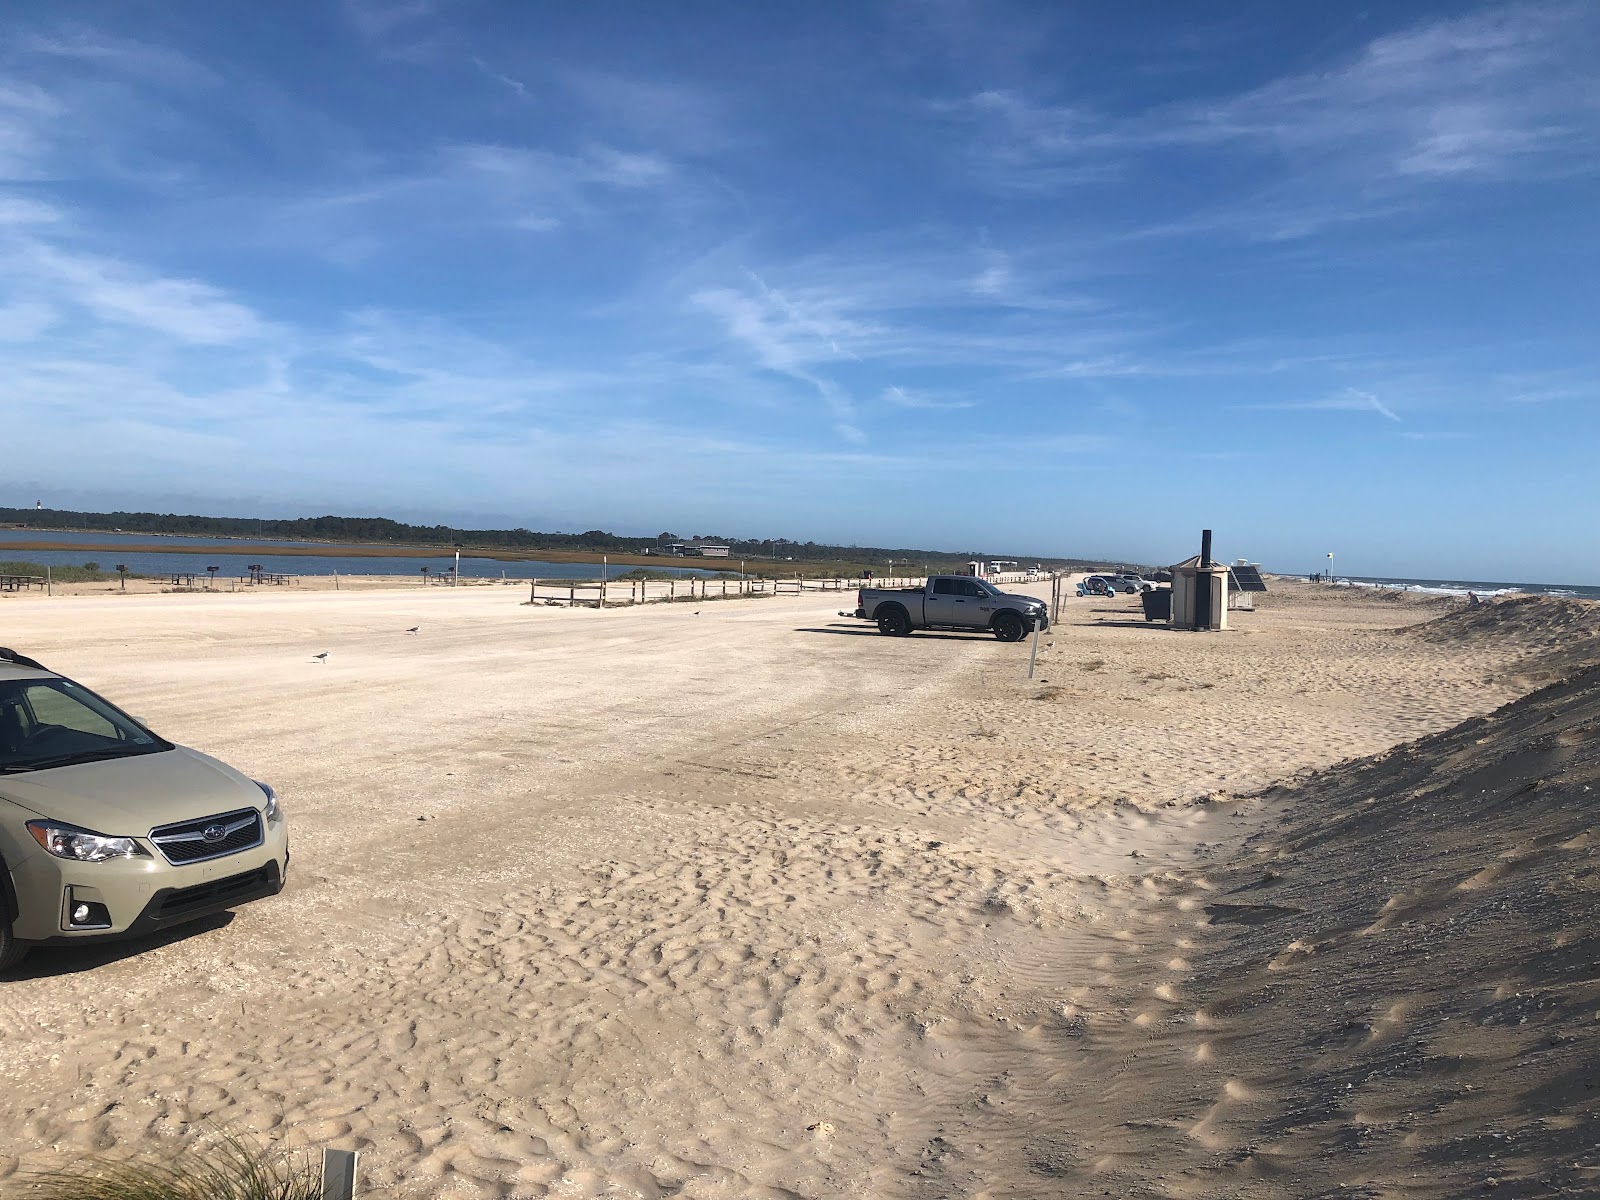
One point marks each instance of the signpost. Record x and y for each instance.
(339, 1174)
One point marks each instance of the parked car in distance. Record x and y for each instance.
(1095, 585)
(951, 602)
(1131, 584)
(108, 830)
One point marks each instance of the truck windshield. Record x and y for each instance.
(987, 588)
(55, 723)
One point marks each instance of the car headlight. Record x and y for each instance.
(270, 809)
(83, 845)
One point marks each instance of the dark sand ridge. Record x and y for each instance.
(1401, 990)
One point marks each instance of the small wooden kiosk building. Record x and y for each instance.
(1200, 590)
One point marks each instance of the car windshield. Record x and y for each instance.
(55, 723)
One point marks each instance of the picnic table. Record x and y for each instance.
(19, 583)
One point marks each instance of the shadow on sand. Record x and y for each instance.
(48, 962)
(869, 631)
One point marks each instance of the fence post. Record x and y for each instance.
(339, 1174)
(572, 595)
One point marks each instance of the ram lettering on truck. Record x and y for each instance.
(951, 602)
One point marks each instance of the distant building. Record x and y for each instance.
(698, 548)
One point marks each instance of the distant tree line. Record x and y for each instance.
(381, 529)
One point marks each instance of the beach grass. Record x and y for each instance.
(228, 1168)
(89, 572)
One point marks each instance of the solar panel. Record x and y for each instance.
(1247, 579)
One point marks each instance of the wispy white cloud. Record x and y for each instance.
(682, 117)
(27, 113)
(18, 210)
(792, 335)
(464, 188)
(160, 66)
(994, 279)
(377, 19)
(1494, 95)
(188, 310)
(25, 320)
(900, 397)
(515, 85)
(1349, 400)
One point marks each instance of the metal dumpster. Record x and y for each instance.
(1157, 604)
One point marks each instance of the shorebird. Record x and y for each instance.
(321, 658)
(414, 629)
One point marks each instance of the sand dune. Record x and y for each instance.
(1553, 636)
(754, 904)
(1398, 993)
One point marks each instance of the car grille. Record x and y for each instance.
(209, 837)
(219, 893)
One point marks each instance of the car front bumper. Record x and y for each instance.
(140, 895)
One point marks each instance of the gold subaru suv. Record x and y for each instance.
(110, 831)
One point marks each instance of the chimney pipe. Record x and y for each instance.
(1205, 547)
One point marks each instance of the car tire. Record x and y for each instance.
(893, 622)
(1008, 627)
(11, 950)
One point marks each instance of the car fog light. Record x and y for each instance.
(80, 914)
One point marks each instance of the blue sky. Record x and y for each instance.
(1070, 278)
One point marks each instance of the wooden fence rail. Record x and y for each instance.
(623, 592)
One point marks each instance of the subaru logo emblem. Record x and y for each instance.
(213, 833)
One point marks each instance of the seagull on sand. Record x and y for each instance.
(414, 629)
(321, 658)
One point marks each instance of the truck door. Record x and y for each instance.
(942, 603)
(974, 606)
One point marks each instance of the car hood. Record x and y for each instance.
(1022, 601)
(127, 797)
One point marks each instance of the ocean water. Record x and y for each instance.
(1460, 587)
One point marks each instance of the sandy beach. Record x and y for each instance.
(746, 900)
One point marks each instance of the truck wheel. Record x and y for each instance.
(1008, 627)
(893, 622)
